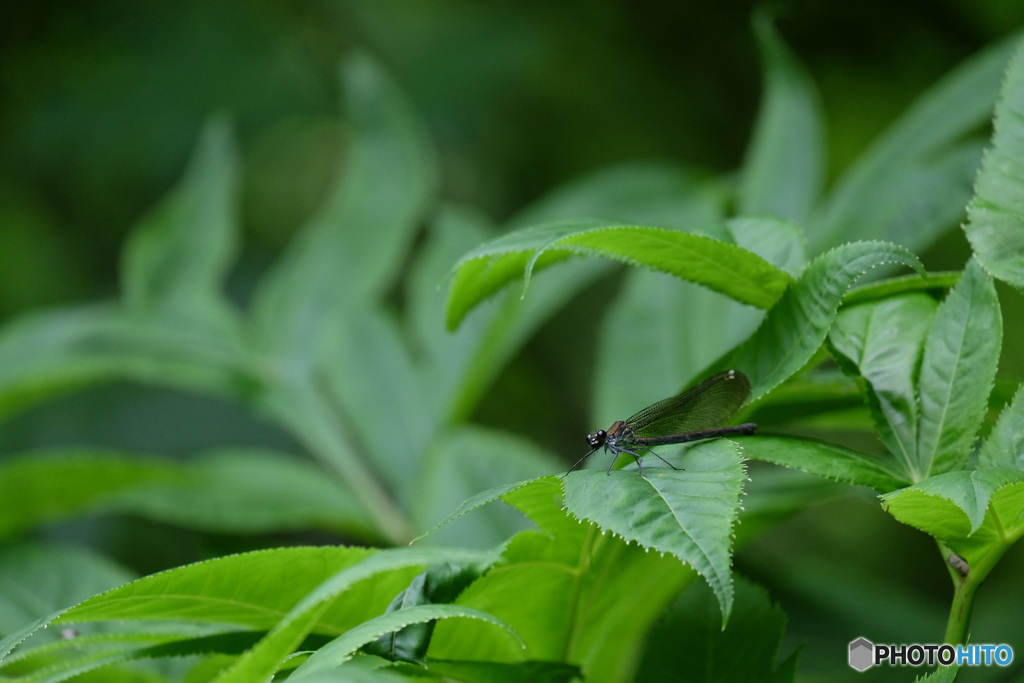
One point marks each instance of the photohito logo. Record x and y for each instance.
(864, 654)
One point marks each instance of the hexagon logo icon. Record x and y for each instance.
(862, 654)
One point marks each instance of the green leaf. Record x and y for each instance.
(898, 214)
(825, 460)
(672, 349)
(884, 342)
(718, 265)
(511, 326)
(344, 647)
(531, 595)
(957, 370)
(368, 669)
(210, 591)
(788, 135)
(266, 657)
(439, 584)
(943, 674)
(995, 216)
(1004, 446)
(957, 508)
(621, 586)
(543, 503)
(562, 589)
(176, 260)
(912, 184)
(756, 629)
(460, 366)
(46, 354)
(1006, 512)
(641, 193)
(649, 333)
(500, 672)
(350, 252)
(688, 514)
(310, 593)
(795, 327)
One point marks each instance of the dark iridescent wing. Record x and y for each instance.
(703, 406)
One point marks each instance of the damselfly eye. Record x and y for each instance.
(597, 438)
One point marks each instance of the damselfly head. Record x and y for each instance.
(597, 438)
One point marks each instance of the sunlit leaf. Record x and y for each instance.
(294, 624)
(717, 265)
(580, 576)
(199, 592)
(977, 513)
(687, 514)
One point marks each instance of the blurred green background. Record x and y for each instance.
(101, 104)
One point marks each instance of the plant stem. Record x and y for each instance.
(964, 589)
(966, 586)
